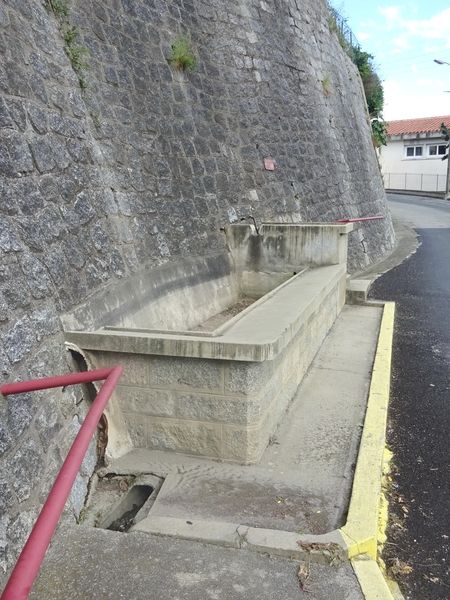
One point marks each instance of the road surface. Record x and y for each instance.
(419, 423)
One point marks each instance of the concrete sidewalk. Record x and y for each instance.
(290, 504)
(86, 564)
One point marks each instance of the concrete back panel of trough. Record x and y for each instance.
(286, 247)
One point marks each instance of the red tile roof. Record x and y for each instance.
(425, 125)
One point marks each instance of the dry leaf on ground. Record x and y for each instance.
(304, 571)
(398, 568)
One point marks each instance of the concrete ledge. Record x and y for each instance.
(440, 195)
(324, 549)
(357, 291)
(327, 548)
(209, 532)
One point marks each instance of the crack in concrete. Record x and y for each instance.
(242, 532)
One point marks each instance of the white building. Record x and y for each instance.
(412, 159)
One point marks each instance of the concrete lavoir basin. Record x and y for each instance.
(200, 377)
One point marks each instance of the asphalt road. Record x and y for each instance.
(418, 548)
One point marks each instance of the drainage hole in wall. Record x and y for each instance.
(123, 517)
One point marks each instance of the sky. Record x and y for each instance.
(405, 37)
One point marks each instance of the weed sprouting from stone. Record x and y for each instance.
(77, 55)
(59, 7)
(182, 57)
(96, 120)
(326, 86)
(76, 52)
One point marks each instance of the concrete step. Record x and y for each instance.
(85, 563)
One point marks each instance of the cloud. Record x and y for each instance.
(410, 31)
(434, 49)
(363, 36)
(391, 14)
(400, 43)
(427, 83)
(404, 100)
(435, 28)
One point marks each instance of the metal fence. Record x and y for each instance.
(415, 182)
(343, 29)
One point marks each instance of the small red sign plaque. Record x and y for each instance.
(269, 164)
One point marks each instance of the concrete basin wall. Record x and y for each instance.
(173, 297)
(217, 397)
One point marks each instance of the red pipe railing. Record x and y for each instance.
(358, 219)
(29, 562)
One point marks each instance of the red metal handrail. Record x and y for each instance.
(358, 219)
(30, 559)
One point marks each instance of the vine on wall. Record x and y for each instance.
(373, 86)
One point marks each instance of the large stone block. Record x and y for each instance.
(188, 437)
(137, 429)
(247, 378)
(241, 445)
(25, 467)
(135, 367)
(146, 401)
(186, 373)
(19, 340)
(15, 155)
(223, 409)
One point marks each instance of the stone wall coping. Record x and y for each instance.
(343, 228)
(261, 334)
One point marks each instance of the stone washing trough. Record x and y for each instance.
(214, 348)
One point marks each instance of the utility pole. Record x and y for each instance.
(447, 181)
(447, 185)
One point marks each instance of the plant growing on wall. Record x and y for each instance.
(373, 87)
(334, 27)
(76, 53)
(182, 56)
(326, 86)
(371, 81)
(59, 7)
(379, 132)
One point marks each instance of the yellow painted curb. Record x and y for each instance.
(367, 515)
(371, 579)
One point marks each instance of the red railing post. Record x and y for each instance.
(28, 564)
(361, 219)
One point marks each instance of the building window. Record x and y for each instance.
(414, 151)
(437, 150)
